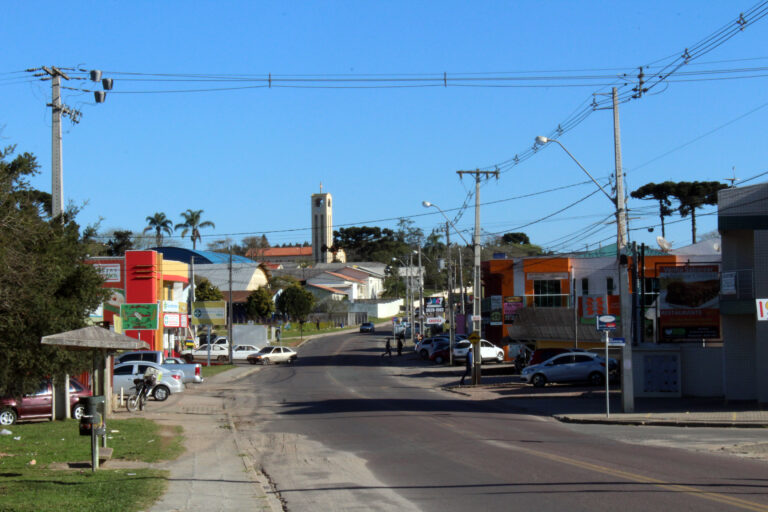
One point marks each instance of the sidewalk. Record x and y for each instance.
(577, 404)
(214, 473)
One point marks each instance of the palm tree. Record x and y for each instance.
(192, 225)
(161, 224)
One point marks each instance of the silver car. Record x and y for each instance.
(567, 367)
(170, 381)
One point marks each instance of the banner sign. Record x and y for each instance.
(762, 309)
(433, 302)
(171, 320)
(212, 312)
(435, 320)
(139, 317)
(497, 313)
(689, 308)
(511, 308)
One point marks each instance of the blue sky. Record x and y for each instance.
(252, 157)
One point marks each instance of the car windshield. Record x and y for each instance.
(266, 350)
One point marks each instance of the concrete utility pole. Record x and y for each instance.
(421, 294)
(627, 382)
(476, 307)
(451, 327)
(229, 310)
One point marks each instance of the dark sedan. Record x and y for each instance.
(39, 405)
(367, 327)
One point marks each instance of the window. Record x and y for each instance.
(609, 285)
(568, 359)
(124, 370)
(583, 359)
(651, 290)
(546, 294)
(585, 286)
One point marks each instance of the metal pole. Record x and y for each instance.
(461, 283)
(451, 327)
(627, 384)
(476, 306)
(231, 306)
(421, 294)
(607, 377)
(410, 280)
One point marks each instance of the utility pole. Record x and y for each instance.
(410, 280)
(229, 310)
(421, 294)
(476, 307)
(627, 383)
(451, 327)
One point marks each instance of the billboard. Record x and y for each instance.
(139, 317)
(511, 306)
(212, 312)
(688, 303)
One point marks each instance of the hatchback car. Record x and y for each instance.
(272, 355)
(38, 405)
(367, 327)
(568, 367)
(423, 347)
(488, 350)
(170, 381)
(241, 352)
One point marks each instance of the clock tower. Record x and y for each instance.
(322, 227)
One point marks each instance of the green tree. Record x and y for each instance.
(120, 242)
(45, 285)
(515, 238)
(160, 224)
(693, 195)
(297, 303)
(368, 243)
(661, 192)
(205, 290)
(259, 304)
(192, 225)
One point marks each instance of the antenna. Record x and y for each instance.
(663, 243)
(734, 179)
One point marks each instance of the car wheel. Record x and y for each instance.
(539, 380)
(439, 360)
(500, 358)
(161, 393)
(7, 417)
(222, 358)
(423, 354)
(78, 411)
(595, 378)
(266, 360)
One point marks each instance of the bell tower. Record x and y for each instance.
(322, 227)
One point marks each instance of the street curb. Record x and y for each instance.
(657, 422)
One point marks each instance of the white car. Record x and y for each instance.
(218, 353)
(488, 350)
(241, 352)
(170, 381)
(271, 355)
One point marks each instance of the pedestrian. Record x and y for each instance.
(317, 324)
(387, 348)
(468, 370)
(399, 346)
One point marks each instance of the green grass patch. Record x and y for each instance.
(210, 371)
(48, 483)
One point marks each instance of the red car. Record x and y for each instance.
(38, 405)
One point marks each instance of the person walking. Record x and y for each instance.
(468, 369)
(387, 348)
(399, 347)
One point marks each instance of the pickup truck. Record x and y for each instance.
(192, 372)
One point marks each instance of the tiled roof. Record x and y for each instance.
(327, 288)
(272, 252)
(345, 277)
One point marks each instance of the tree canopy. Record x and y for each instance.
(297, 303)
(160, 224)
(205, 290)
(259, 304)
(661, 192)
(192, 223)
(45, 286)
(693, 195)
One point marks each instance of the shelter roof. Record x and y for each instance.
(94, 337)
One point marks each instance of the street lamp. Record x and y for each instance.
(451, 330)
(627, 388)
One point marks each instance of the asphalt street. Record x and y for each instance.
(347, 429)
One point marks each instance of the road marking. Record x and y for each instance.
(686, 489)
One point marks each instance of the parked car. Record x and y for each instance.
(241, 352)
(488, 351)
(170, 381)
(422, 347)
(439, 344)
(218, 353)
(367, 327)
(542, 354)
(38, 405)
(569, 367)
(441, 353)
(192, 372)
(272, 355)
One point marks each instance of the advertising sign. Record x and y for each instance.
(689, 302)
(111, 272)
(511, 308)
(139, 317)
(497, 313)
(762, 309)
(591, 306)
(435, 320)
(212, 312)
(605, 322)
(433, 302)
(171, 320)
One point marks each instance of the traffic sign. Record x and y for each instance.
(616, 342)
(474, 337)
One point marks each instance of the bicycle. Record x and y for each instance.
(138, 398)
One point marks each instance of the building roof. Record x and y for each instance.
(244, 276)
(282, 252)
(345, 277)
(327, 288)
(201, 257)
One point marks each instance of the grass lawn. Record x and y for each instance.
(29, 482)
(210, 371)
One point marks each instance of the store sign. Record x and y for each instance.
(171, 320)
(139, 317)
(496, 313)
(433, 302)
(170, 306)
(511, 308)
(689, 308)
(109, 271)
(212, 312)
(762, 309)
(435, 320)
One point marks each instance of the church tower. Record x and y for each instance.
(322, 227)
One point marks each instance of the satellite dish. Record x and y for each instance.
(663, 243)
(716, 247)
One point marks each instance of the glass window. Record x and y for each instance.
(124, 370)
(582, 359)
(609, 285)
(585, 286)
(547, 294)
(651, 290)
(563, 360)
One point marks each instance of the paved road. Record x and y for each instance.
(345, 429)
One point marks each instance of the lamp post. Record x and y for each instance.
(627, 388)
(451, 330)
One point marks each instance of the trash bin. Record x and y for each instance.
(92, 417)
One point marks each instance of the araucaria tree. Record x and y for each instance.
(259, 304)
(160, 224)
(693, 195)
(192, 225)
(661, 192)
(45, 285)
